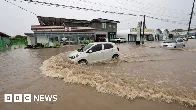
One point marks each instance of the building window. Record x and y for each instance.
(114, 27)
(103, 25)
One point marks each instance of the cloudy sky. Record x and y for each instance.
(14, 20)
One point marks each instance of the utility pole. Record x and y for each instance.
(144, 24)
(140, 32)
(191, 18)
(138, 38)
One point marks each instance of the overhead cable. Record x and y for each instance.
(20, 7)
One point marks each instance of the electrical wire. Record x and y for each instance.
(122, 8)
(20, 7)
(150, 5)
(97, 10)
(115, 7)
(87, 9)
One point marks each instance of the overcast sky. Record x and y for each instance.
(14, 20)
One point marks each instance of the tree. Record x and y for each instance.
(20, 36)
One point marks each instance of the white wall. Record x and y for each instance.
(42, 39)
(29, 40)
(123, 34)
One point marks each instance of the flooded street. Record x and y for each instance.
(145, 77)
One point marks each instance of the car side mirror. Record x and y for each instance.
(90, 51)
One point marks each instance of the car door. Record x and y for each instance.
(97, 54)
(180, 43)
(177, 43)
(108, 51)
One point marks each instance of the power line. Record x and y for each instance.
(97, 10)
(122, 8)
(115, 7)
(86, 9)
(20, 7)
(149, 4)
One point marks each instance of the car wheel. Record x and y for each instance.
(174, 46)
(115, 56)
(183, 46)
(83, 62)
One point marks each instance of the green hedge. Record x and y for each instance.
(18, 41)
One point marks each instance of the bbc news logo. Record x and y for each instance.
(29, 98)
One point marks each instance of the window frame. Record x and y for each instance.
(95, 46)
(107, 48)
(104, 25)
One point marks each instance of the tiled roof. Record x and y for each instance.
(52, 21)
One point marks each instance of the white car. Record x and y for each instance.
(178, 43)
(183, 37)
(120, 40)
(95, 52)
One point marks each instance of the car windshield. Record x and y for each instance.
(180, 40)
(169, 41)
(87, 47)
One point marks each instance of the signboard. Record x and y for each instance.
(67, 28)
(145, 30)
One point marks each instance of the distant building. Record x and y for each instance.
(4, 40)
(4, 36)
(73, 31)
(149, 34)
(182, 32)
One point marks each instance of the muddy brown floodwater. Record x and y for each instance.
(145, 77)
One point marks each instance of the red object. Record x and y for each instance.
(118, 49)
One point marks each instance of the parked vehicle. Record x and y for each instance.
(95, 52)
(183, 37)
(119, 40)
(193, 37)
(178, 43)
(189, 37)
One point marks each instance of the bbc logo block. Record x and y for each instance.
(17, 97)
(7, 97)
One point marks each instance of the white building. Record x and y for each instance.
(149, 34)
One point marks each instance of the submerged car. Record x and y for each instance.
(95, 52)
(178, 43)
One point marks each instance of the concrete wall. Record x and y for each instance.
(31, 41)
(102, 32)
(110, 27)
(42, 39)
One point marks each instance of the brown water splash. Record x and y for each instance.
(115, 83)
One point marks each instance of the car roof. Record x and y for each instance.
(102, 43)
